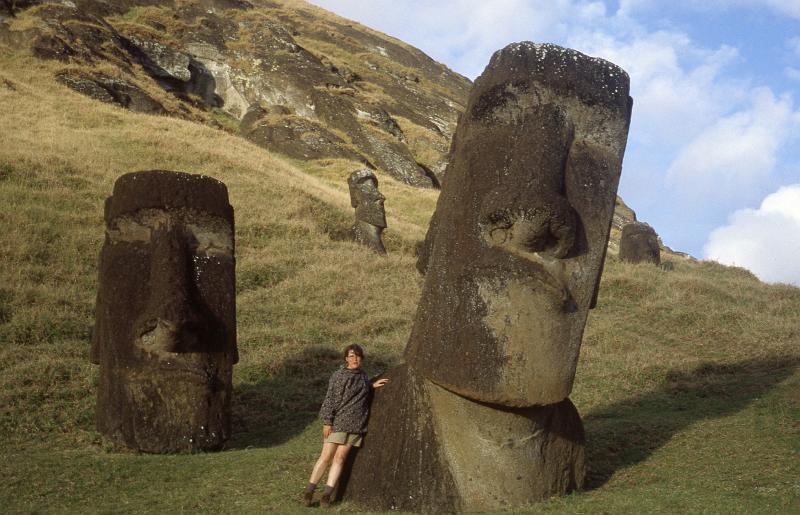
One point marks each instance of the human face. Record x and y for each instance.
(353, 360)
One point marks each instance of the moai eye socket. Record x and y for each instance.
(548, 231)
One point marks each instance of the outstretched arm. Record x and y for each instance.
(380, 382)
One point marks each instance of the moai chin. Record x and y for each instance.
(165, 331)
(479, 418)
(370, 214)
(638, 243)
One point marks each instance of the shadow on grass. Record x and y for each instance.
(627, 432)
(281, 406)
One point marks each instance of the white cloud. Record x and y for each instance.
(789, 8)
(737, 150)
(678, 88)
(764, 240)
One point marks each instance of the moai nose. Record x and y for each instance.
(170, 322)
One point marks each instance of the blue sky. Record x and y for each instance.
(713, 157)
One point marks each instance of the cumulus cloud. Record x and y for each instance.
(765, 240)
(736, 150)
(784, 7)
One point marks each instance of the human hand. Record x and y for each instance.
(326, 431)
(380, 382)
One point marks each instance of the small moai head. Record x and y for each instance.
(366, 199)
(639, 244)
(517, 243)
(165, 331)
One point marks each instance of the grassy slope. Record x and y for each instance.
(688, 380)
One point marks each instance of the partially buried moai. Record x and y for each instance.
(638, 243)
(165, 331)
(370, 214)
(479, 417)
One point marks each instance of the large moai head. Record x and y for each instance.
(639, 244)
(368, 203)
(165, 332)
(517, 242)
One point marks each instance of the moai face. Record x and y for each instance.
(520, 231)
(366, 199)
(165, 333)
(639, 244)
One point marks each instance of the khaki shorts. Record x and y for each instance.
(353, 439)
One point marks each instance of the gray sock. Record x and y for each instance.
(328, 490)
(311, 487)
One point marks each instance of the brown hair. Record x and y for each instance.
(356, 348)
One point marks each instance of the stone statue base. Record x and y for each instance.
(368, 235)
(431, 450)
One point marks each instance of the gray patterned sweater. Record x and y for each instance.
(346, 405)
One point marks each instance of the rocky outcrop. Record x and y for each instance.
(333, 89)
(111, 91)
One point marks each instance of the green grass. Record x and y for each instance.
(688, 381)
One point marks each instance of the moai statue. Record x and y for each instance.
(165, 332)
(639, 244)
(479, 417)
(370, 215)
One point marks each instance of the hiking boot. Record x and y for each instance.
(308, 498)
(325, 501)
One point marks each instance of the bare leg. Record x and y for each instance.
(337, 465)
(329, 450)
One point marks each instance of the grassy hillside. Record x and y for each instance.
(688, 381)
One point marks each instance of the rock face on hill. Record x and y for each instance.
(294, 78)
(290, 77)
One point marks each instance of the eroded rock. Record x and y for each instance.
(111, 91)
(513, 258)
(165, 332)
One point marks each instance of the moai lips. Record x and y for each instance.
(165, 333)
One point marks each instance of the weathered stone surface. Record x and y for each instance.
(112, 91)
(387, 104)
(161, 60)
(479, 419)
(639, 244)
(165, 332)
(370, 214)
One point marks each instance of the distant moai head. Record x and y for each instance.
(639, 244)
(165, 332)
(366, 199)
(516, 245)
(370, 215)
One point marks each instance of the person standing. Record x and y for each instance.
(344, 415)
